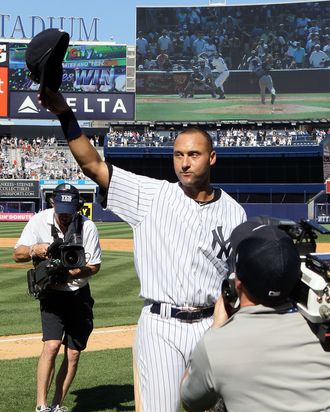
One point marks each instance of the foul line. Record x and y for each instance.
(96, 332)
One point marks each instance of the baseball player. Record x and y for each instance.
(222, 74)
(201, 76)
(181, 233)
(253, 60)
(265, 79)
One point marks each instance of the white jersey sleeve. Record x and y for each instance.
(219, 64)
(130, 196)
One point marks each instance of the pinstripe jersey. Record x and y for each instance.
(180, 247)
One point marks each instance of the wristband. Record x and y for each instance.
(70, 126)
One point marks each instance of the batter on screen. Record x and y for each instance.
(181, 245)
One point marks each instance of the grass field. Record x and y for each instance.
(234, 107)
(104, 381)
(113, 230)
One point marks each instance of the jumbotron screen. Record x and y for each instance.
(267, 62)
(86, 68)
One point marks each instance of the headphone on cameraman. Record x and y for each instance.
(67, 188)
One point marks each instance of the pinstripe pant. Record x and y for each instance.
(162, 348)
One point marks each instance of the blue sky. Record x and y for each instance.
(117, 17)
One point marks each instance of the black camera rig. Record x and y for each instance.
(312, 295)
(54, 270)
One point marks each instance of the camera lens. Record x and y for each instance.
(71, 258)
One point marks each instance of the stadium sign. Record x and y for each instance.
(91, 106)
(23, 189)
(3, 91)
(54, 182)
(15, 217)
(17, 27)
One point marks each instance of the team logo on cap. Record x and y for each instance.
(66, 198)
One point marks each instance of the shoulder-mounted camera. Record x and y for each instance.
(62, 256)
(312, 294)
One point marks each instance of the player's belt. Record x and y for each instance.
(186, 315)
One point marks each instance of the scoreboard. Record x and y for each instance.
(94, 83)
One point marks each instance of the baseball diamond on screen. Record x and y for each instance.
(249, 62)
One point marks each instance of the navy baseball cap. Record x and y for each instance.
(267, 261)
(66, 199)
(44, 56)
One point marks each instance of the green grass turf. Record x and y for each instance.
(234, 107)
(115, 289)
(114, 230)
(104, 383)
(107, 230)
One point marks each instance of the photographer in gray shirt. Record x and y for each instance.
(264, 357)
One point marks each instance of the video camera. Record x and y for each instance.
(62, 256)
(312, 295)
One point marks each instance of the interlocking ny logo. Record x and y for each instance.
(218, 239)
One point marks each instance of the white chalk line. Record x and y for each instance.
(38, 337)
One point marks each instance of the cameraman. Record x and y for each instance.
(67, 308)
(265, 356)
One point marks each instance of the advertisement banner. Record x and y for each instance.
(23, 189)
(94, 68)
(86, 106)
(327, 187)
(15, 217)
(87, 68)
(87, 210)
(3, 54)
(3, 91)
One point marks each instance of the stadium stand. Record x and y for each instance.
(221, 137)
(288, 33)
(37, 159)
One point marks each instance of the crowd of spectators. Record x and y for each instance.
(38, 158)
(138, 138)
(221, 137)
(296, 35)
(43, 158)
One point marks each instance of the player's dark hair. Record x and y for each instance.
(197, 130)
